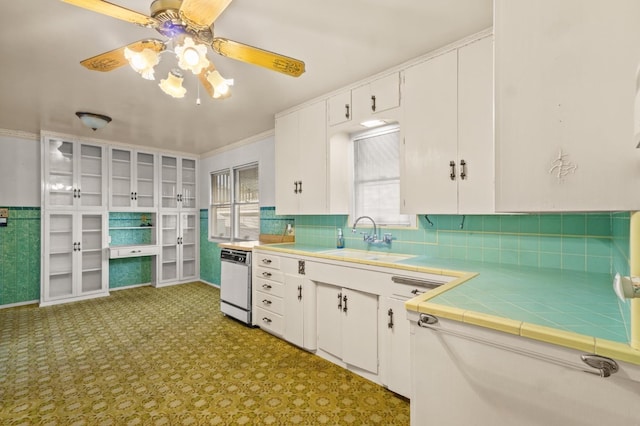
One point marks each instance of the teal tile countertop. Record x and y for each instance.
(572, 301)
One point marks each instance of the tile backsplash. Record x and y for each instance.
(593, 242)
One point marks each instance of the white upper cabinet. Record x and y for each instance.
(133, 183)
(567, 98)
(375, 97)
(74, 175)
(448, 133)
(339, 108)
(178, 183)
(301, 161)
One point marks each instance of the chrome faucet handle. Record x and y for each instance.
(387, 238)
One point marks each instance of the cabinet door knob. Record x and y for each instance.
(452, 170)
(390, 314)
(373, 103)
(266, 286)
(346, 108)
(266, 274)
(266, 302)
(300, 187)
(299, 292)
(344, 299)
(266, 261)
(339, 301)
(267, 320)
(295, 187)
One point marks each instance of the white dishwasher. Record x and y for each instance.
(235, 284)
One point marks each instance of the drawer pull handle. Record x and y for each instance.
(266, 302)
(267, 286)
(267, 320)
(266, 274)
(266, 261)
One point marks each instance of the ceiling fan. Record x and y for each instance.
(188, 28)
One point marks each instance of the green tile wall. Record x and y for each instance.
(130, 271)
(209, 252)
(593, 242)
(20, 256)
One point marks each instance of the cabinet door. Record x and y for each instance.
(397, 346)
(360, 329)
(475, 128)
(286, 162)
(339, 108)
(73, 175)
(375, 97)
(91, 177)
(188, 255)
(293, 309)
(430, 136)
(169, 256)
(92, 254)
(313, 159)
(59, 178)
(329, 299)
(567, 105)
(188, 183)
(59, 249)
(169, 182)
(121, 179)
(145, 173)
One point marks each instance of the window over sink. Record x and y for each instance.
(376, 176)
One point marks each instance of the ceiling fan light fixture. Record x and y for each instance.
(220, 84)
(92, 120)
(172, 85)
(143, 62)
(191, 56)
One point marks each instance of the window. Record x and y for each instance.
(235, 207)
(376, 175)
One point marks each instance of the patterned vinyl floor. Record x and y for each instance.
(167, 356)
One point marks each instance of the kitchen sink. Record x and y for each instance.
(367, 255)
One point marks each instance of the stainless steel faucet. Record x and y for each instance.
(372, 238)
(369, 238)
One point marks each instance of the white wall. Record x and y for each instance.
(19, 172)
(261, 151)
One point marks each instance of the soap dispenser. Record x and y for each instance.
(340, 242)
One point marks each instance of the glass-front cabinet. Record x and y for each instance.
(75, 262)
(179, 248)
(74, 175)
(178, 183)
(132, 180)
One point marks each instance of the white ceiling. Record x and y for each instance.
(42, 84)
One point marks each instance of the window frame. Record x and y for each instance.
(369, 133)
(233, 205)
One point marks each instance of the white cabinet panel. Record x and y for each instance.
(133, 180)
(178, 247)
(178, 183)
(74, 175)
(74, 254)
(448, 133)
(339, 108)
(566, 103)
(301, 161)
(376, 97)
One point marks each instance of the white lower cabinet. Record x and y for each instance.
(283, 299)
(75, 257)
(397, 359)
(464, 374)
(348, 326)
(179, 249)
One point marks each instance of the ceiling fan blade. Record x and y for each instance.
(201, 13)
(113, 59)
(115, 11)
(255, 56)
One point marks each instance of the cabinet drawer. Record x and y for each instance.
(133, 251)
(269, 321)
(269, 287)
(269, 274)
(269, 302)
(267, 261)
